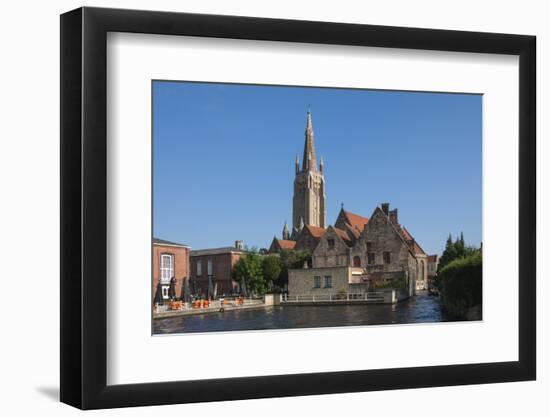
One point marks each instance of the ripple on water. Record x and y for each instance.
(418, 309)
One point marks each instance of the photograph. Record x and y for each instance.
(292, 207)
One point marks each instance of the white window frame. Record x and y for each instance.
(166, 268)
(165, 292)
(328, 280)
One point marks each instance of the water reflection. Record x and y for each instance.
(419, 309)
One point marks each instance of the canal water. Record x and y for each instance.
(419, 309)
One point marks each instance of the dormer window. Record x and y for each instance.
(330, 243)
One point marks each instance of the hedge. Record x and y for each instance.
(460, 285)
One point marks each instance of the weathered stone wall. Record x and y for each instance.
(306, 241)
(301, 281)
(309, 199)
(380, 236)
(412, 274)
(325, 256)
(341, 220)
(360, 250)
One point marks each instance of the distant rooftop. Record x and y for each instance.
(216, 251)
(157, 241)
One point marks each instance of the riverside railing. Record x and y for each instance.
(370, 296)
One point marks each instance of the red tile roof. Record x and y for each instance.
(405, 233)
(286, 244)
(408, 238)
(315, 231)
(432, 258)
(411, 241)
(356, 221)
(342, 233)
(418, 250)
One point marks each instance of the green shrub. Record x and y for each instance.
(460, 285)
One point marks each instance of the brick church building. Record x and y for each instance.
(357, 251)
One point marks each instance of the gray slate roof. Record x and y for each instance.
(167, 242)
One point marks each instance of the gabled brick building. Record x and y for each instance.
(379, 251)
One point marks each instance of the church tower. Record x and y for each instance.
(309, 202)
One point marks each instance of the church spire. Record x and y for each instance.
(310, 159)
(309, 200)
(286, 233)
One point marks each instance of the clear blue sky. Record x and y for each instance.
(224, 159)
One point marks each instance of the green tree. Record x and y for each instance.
(449, 253)
(249, 269)
(459, 246)
(455, 250)
(271, 268)
(460, 286)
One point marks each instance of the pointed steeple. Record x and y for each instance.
(297, 165)
(286, 233)
(309, 199)
(310, 159)
(322, 166)
(301, 223)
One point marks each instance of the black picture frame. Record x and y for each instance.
(84, 207)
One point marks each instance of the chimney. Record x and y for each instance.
(393, 216)
(239, 244)
(386, 208)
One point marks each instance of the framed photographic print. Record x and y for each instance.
(258, 207)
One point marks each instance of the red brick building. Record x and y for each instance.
(170, 260)
(216, 263)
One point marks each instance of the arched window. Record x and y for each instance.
(356, 261)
